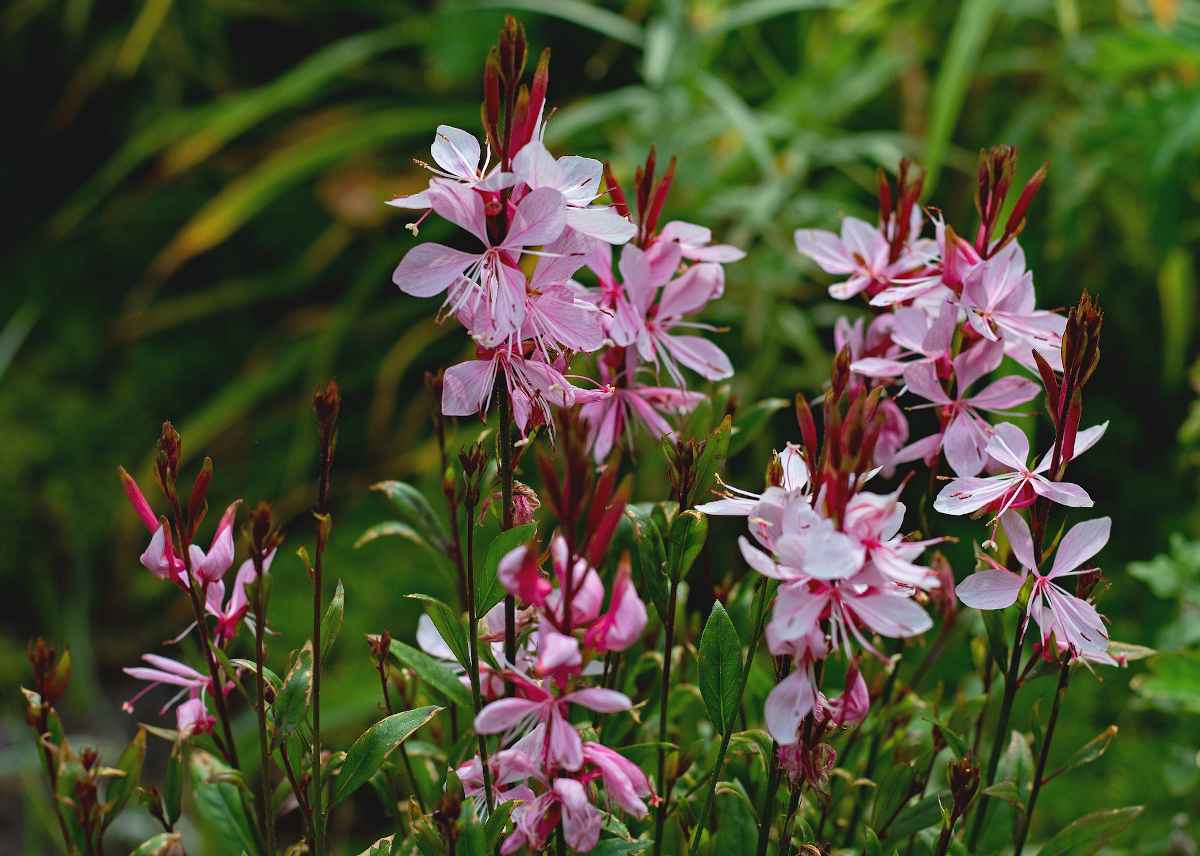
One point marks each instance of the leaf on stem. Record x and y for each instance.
(331, 622)
(488, 591)
(720, 668)
(433, 672)
(219, 804)
(450, 625)
(372, 748)
(1090, 831)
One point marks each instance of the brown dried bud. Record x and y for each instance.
(51, 673)
(327, 402)
(964, 781)
(198, 503)
(264, 537)
(774, 474)
(1081, 341)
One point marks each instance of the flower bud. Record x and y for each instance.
(327, 402)
(51, 673)
(964, 781)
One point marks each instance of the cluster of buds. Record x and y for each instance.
(564, 632)
(527, 325)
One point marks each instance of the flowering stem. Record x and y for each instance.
(872, 756)
(301, 797)
(660, 815)
(785, 843)
(506, 494)
(1064, 674)
(264, 752)
(1006, 702)
(473, 643)
(764, 815)
(760, 614)
(51, 777)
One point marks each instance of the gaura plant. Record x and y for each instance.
(573, 697)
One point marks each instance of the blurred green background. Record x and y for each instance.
(196, 232)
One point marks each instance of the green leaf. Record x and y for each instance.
(582, 14)
(173, 785)
(956, 742)
(710, 462)
(993, 622)
(383, 847)
(291, 702)
(163, 844)
(720, 668)
(416, 511)
(1006, 790)
(737, 824)
(1088, 752)
(1091, 831)
(963, 51)
(922, 814)
(1177, 296)
(219, 804)
(488, 591)
(689, 531)
(617, 847)
(372, 748)
(1016, 764)
(650, 568)
(751, 420)
(894, 790)
(121, 788)
(331, 622)
(449, 625)
(433, 672)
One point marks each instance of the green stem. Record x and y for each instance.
(473, 642)
(760, 613)
(785, 843)
(1064, 675)
(264, 751)
(660, 815)
(1006, 703)
(768, 804)
(506, 494)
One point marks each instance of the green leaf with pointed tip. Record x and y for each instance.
(372, 748)
(331, 623)
(993, 622)
(433, 672)
(1090, 751)
(416, 511)
(1016, 764)
(488, 591)
(173, 784)
(450, 625)
(650, 572)
(1089, 832)
(922, 814)
(710, 462)
(291, 702)
(720, 668)
(163, 844)
(689, 531)
(219, 804)
(737, 826)
(383, 847)
(120, 789)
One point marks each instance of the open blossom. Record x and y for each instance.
(163, 670)
(914, 333)
(533, 386)
(456, 155)
(611, 411)
(578, 180)
(1018, 484)
(1073, 623)
(793, 472)
(863, 254)
(966, 434)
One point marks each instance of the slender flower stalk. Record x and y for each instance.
(506, 493)
(327, 402)
(1060, 693)
(660, 811)
(264, 539)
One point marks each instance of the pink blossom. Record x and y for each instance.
(999, 301)
(488, 277)
(192, 717)
(456, 154)
(210, 566)
(742, 503)
(610, 412)
(533, 385)
(624, 781)
(955, 257)
(625, 620)
(578, 180)
(852, 706)
(159, 557)
(534, 821)
(230, 614)
(164, 670)
(966, 434)
(693, 242)
(875, 521)
(1073, 622)
(916, 334)
(1014, 487)
(862, 253)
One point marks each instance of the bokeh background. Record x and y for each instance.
(196, 232)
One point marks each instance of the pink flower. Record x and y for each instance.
(999, 300)
(944, 278)
(533, 385)
(456, 154)
(1009, 447)
(230, 614)
(164, 670)
(624, 781)
(159, 557)
(489, 277)
(1073, 622)
(610, 412)
(578, 180)
(625, 620)
(916, 333)
(535, 821)
(742, 503)
(521, 575)
(192, 717)
(534, 705)
(852, 705)
(862, 252)
(875, 520)
(804, 544)
(966, 434)
(210, 566)
(693, 243)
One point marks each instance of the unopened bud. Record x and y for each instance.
(327, 402)
(964, 781)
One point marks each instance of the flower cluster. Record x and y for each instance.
(567, 623)
(534, 224)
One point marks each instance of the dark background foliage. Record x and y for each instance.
(196, 232)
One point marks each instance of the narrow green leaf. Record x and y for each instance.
(737, 824)
(488, 591)
(219, 804)
(720, 668)
(689, 531)
(993, 622)
(1090, 751)
(173, 785)
(291, 702)
(1006, 790)
(750, 422)
(1090, 831)
(1177, 296)
(581, 14)
(894, 790)
(711, 461)
(331, 623)
(372, 748)
(121, 788)
(163, 844)
(1016, 764)
(449, 625)
(416, 511)
(650, 569)
(433, 672)
(922, 814)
